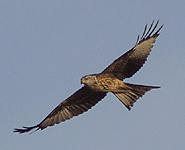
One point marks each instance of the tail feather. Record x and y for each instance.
(129, 96)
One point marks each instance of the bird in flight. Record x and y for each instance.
(96, 86)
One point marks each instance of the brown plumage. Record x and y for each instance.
(96, 86)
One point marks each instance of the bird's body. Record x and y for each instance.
(104, 83)
(96, 86)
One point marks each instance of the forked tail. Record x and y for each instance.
(129, 96)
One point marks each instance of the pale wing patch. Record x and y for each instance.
(143, 49)
(62, 115)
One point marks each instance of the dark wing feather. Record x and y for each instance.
(76, 104)
(130, 62)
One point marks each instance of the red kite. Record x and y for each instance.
(96, 86)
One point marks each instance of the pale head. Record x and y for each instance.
(88, 80)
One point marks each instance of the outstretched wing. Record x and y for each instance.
(76, 104)
(130, 62)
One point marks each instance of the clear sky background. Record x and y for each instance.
(47, 46)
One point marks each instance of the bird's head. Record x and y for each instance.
(88, 80)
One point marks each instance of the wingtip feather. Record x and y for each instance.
(27, 129)
(150, 32)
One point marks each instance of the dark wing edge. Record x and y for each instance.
(149, 32)
(78, 103)
(129, 63)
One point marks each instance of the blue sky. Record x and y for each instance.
(47, 46)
